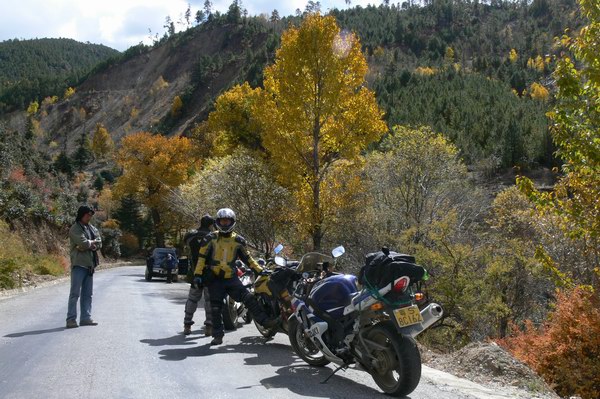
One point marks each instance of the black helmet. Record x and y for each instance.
(206, 221)
(225, 213)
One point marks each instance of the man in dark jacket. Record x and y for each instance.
(85, 241)
(193, 240)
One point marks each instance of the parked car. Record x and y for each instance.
(162, 263)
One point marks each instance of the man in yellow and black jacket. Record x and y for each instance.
(217, 269)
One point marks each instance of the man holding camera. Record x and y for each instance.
(85, 241)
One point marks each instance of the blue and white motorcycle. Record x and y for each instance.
(336, 321)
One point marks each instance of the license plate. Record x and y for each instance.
(408, 316)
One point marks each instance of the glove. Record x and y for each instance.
(197, 282)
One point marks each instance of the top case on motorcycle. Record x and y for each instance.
(381, 268)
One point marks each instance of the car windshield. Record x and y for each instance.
(159, 254)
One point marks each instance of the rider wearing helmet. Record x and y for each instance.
(194, 241)
(217, 269)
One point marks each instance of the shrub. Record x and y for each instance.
(111, 247)
(7, 269)
(48, 265)
(130, 245)
(566, 351)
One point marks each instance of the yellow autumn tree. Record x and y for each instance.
(176, 107)
(449, 55)
(576, 135)
(513, 56)
(234, 120)
(33, 107)
(153, 165)
(425, 71)
(107, 202)
(102, 143)
(69, 92)
(538, 92)
(318, 112)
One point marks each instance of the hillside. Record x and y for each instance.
(466, 70)
(424, 63)
(135, 91)
(33, 69)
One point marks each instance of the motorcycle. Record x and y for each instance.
(233, 310)
(372, 328)
(273, 290)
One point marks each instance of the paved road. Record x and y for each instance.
(138, 351)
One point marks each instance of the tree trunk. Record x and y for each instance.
(317, 232)
(159, 236)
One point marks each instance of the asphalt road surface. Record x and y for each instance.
(138, 351)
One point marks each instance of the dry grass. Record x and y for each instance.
(17, 261)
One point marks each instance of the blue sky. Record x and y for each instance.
(120, 23)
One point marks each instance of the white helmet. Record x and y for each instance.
(225, 213)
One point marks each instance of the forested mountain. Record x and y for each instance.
(477, 72)
(30, 69)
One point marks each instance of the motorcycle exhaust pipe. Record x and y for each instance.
(432, 313)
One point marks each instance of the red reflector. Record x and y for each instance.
(401, 284)
(240, 273)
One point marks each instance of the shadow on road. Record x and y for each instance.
(307, 381)
(35, 332)
(178, 339)
(175, 296)
(274, 354)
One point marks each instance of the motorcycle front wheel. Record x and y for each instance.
(303, 346)
(397, 368)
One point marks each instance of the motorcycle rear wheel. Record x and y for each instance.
(304, 346)
(398, 366)
(230, 314)
(265, 304)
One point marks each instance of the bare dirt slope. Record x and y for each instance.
(490, 365)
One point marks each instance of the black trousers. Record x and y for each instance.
(219, 289)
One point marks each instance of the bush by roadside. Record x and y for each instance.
(18, 263)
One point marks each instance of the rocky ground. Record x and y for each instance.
(491, 366)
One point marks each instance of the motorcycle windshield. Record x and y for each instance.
(313, 261)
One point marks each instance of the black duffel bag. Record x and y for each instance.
(384, 266)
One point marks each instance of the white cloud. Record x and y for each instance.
(119, 23)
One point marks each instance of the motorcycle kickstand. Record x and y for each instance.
(342, 367)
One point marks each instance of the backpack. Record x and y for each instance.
(383, 267)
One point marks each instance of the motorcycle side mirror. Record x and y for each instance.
(278, 249)
(279, 261)
(339, 251)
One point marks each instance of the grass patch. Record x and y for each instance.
(17, 261)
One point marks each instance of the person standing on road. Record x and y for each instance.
(194, 241)
(217, 269)
(85, 242)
